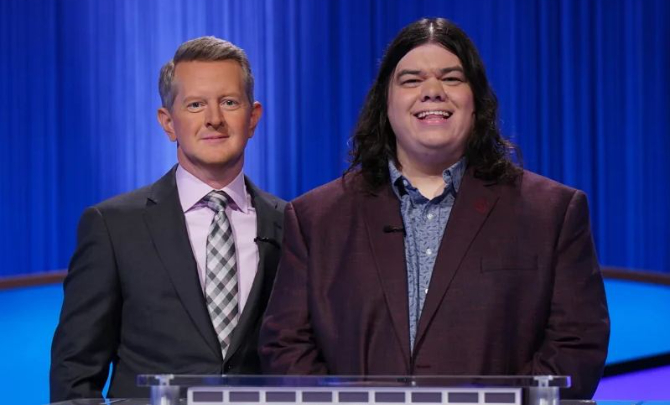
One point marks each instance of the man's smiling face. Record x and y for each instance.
(211, 117)
(430, 106)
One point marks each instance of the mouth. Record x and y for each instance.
(434, 115)
(214, 137)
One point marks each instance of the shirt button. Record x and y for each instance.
(430, 216)
(429, 252)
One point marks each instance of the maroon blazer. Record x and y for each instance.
(516, 287)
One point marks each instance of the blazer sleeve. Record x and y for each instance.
(287, 342)
(577, 332)
(87, 335)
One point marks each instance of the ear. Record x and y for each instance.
(256, 112)
(165, 119)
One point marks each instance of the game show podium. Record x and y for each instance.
(347, 390)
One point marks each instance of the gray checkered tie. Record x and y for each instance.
(221, 280)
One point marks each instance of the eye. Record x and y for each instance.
(453, 80)
(410, 82)
(230, 104)
(195, 106)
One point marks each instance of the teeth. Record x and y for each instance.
(424, 114)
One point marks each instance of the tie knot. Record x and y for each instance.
(216, 200)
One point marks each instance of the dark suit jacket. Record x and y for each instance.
(133, 297)
(516, 287)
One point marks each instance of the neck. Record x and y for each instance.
(217, 177)
(425, 176)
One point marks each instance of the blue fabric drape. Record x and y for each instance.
(582, 88)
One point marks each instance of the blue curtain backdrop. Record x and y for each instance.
(582, 85)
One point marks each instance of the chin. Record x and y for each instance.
(441, 145)
(223, 161)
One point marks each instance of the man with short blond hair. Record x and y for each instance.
(174, 277)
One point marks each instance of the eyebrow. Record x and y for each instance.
(419, 72)
(194, 97)
(191, 98)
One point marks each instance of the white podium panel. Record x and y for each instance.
(355, 390)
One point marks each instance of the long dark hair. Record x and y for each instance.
(373, 141)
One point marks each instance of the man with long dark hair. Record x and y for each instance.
(435, 253)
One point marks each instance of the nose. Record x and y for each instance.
(432, 90)
(214, 116)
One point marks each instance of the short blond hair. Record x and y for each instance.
(206, 49)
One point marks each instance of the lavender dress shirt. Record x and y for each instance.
(242, 216)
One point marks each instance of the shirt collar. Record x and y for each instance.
(191, 190)
(452, 176)
(397, 180)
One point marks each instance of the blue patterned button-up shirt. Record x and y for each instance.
(424, 221)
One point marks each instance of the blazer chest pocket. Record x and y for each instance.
(491, 264)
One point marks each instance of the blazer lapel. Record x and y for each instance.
(269, 226)
(381, 212)
(472, 206)
(165, 219)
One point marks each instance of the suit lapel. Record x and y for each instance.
(383, 210)
(268, 230)
(475, 201)
(165, 219)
